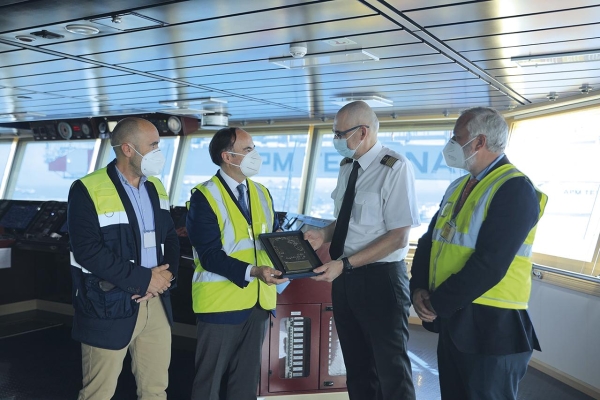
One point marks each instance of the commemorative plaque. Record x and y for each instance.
(290, 253)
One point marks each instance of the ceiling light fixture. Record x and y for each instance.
(372, 101)
(557, 58)
(552, 96)
(325, 59)
(80, 29)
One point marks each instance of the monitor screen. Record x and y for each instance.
(19, 216)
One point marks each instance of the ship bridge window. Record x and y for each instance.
(559, 153)
(422, 148)
(167, 145)
(46, 170)
(283, 157)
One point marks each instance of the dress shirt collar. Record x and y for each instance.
(366, 159)
(125, 182)
(483, 173)
(232, 183)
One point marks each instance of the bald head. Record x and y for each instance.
(359, 113)
(129, 130)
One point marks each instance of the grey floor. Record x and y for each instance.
(45, 364)
(422, 351)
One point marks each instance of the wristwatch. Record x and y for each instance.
(347, 266)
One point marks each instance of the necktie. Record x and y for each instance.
(341, 226)
(242, 200)
(468, 188)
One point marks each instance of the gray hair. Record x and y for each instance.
(490, 123)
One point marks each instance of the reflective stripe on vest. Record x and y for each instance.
(454, 240)
(212, 292)
(108, 204)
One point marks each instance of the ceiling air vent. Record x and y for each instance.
(214, 121)
(47, 34)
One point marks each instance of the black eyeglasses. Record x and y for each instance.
(339, 135)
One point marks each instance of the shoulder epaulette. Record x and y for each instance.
(346, 160)
(388, 160)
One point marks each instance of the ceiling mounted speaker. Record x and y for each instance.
(214, 121)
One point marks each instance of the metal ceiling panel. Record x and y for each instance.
(495, 9)
(567, 18)
(558, 78)
(20, 57)
(193, 11)
(533, 38)
(57, 77)
(216, 55)
(282, 77)
(260, 23)
(23, 15)
(99, 83)
(279, 37)
(266, 70)
(220, 48)
(44, 67)
(542, 48)
(155, 85)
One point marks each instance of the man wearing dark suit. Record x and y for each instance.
(124, 262)
(471, 274)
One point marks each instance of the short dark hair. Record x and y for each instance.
(223, 140)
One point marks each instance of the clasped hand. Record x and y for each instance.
(159, 283)
(422, 305)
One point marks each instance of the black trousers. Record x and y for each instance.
(228, 358)
(370, 308)
(465, 376)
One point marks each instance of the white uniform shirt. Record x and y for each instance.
(385, 200)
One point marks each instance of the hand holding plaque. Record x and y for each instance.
(290, 253)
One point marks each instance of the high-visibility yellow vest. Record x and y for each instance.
(108, 204)
(454, 240)
(214, 293)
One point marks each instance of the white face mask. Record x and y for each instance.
(341, 145)
(152, 163)
(250, 164)
(454, 154)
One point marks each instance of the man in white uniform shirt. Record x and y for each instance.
(369, 241)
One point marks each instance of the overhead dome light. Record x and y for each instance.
(79, 29)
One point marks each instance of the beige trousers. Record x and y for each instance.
(150, 349)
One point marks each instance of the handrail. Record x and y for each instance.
(563, 272)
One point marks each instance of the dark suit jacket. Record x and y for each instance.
(107, 319)
(475, 328)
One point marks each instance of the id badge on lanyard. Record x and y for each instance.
(149, 239)
(448, 231)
